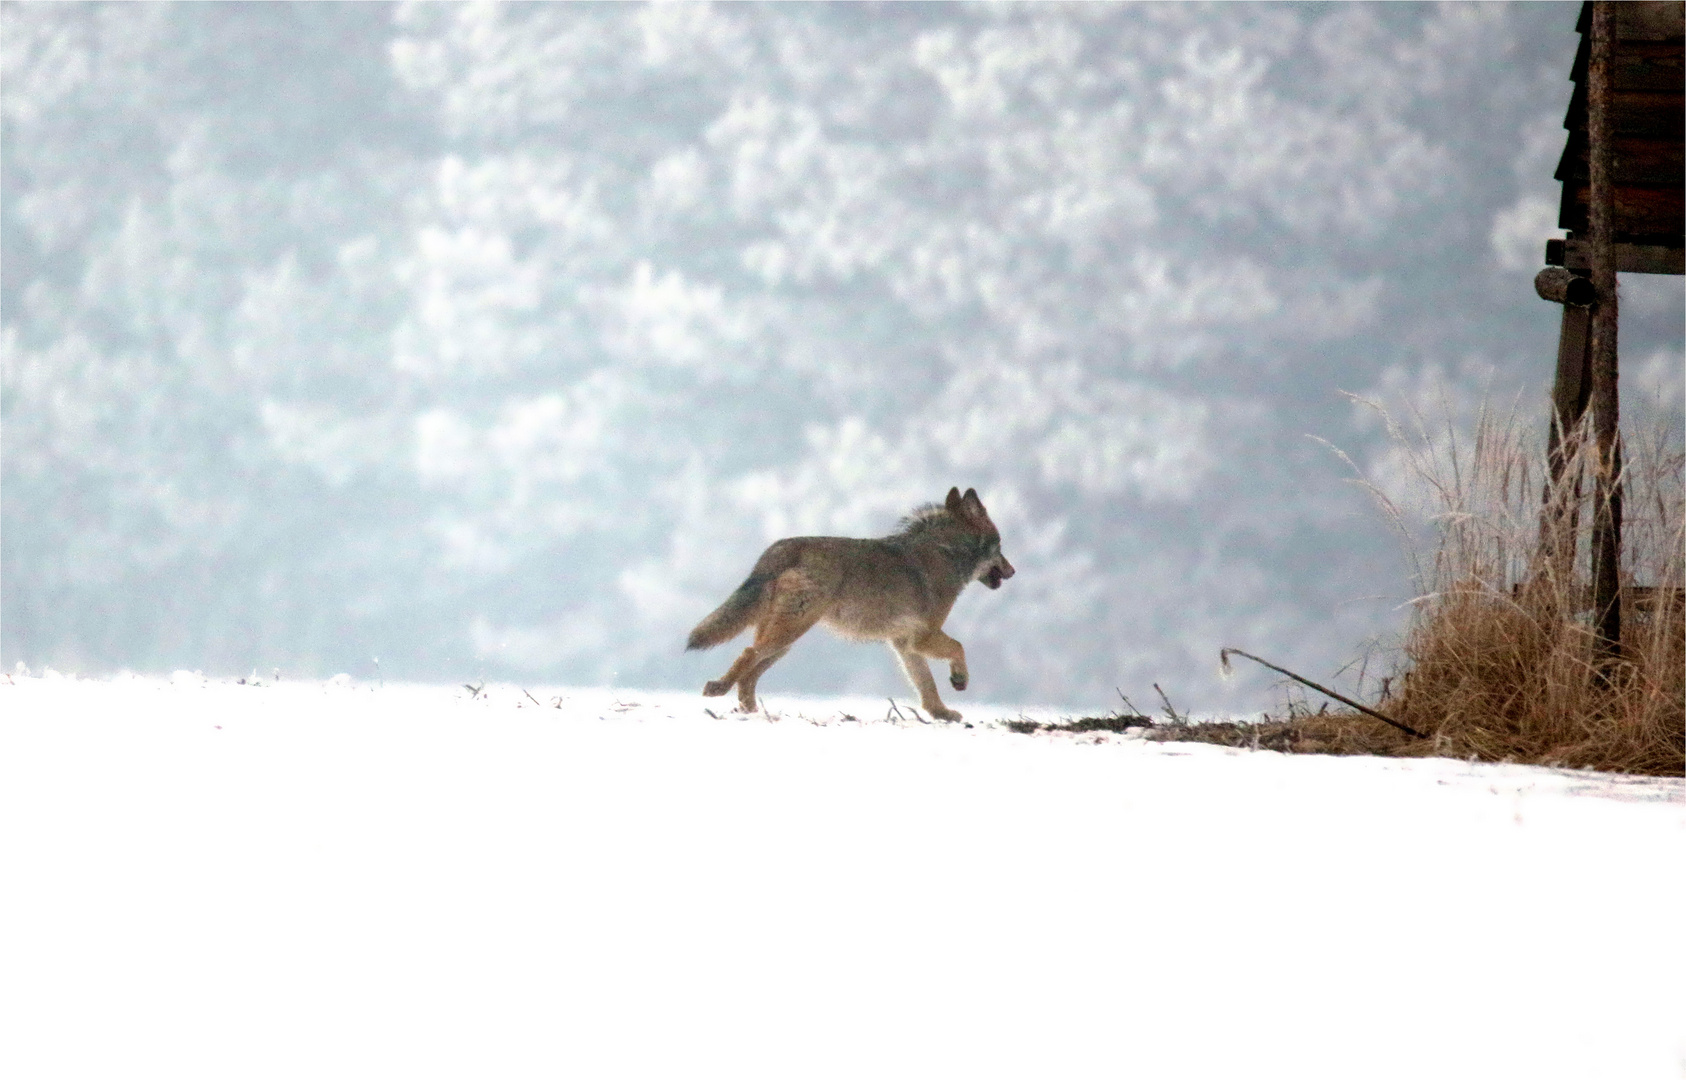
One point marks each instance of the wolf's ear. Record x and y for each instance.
(970, 509)
(952, 503)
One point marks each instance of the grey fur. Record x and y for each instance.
(898, 589)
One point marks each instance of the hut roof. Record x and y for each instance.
(1648, 168)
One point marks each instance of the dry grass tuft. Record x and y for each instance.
(1498, 662)
(1500, 678)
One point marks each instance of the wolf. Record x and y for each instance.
(897, 589)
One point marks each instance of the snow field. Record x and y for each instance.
(308, 879)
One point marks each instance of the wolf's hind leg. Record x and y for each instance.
(717, 687)
(793, 609)
(939, 646)
(919, 674)
(746, 685)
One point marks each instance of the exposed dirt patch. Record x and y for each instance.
(1115, 723)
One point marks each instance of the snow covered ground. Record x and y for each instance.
(307, 879)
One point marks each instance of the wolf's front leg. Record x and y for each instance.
(939, 646)
(919, 674)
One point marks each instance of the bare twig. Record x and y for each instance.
(895, 710)
(531, 698)
(475, 690)
(1169, 709)
(1223, 655)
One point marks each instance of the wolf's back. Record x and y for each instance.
(731, 618)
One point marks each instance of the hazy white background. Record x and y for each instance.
(498, 340)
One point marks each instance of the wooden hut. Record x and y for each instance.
(1624, 205)
(1648, 172)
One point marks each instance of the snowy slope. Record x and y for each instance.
(214, 880)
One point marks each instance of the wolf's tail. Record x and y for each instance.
(731, 618)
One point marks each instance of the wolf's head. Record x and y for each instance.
(993, 568)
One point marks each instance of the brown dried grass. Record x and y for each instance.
(1498, 661)
(1301, 732)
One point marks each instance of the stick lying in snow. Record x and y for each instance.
(1223, 655)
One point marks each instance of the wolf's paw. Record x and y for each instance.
(715, 688)
(942, 713)
(957, 679)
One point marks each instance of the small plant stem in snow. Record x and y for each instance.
(1343, 699)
